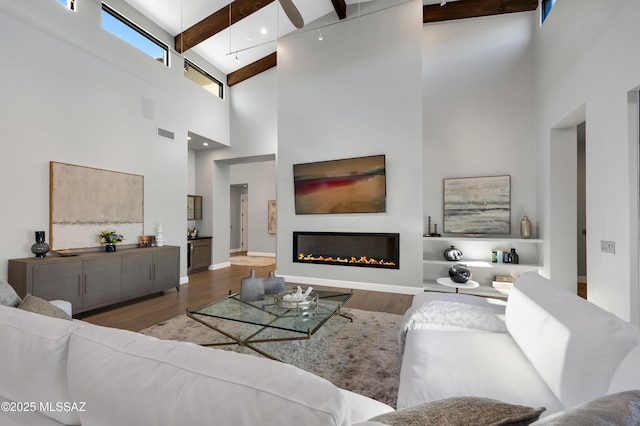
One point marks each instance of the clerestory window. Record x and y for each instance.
(123, 28)
(202, 78)
(546, 8)
(71, 4)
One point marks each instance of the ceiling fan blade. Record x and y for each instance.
(292, 13)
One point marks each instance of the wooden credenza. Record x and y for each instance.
(95, 279)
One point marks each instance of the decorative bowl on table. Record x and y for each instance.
(288, 300)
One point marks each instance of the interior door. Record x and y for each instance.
(244, 222)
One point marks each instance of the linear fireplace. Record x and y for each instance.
(376, 250)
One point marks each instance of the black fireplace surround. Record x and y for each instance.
(366, 249)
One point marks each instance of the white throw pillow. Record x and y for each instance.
(8, 296)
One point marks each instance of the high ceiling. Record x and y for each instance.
(245, 31)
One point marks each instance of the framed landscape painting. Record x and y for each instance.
(477, 205)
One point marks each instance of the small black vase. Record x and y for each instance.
(110, 248)
(459, 273)
(513, 257)
(40, 248)
(452, 254)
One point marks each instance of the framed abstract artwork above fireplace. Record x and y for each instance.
(477, 205)
(352, 185)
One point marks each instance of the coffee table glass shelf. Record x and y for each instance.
(301, 319)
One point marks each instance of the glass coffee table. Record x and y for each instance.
(302, 320)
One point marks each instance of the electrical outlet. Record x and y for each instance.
(608, 247)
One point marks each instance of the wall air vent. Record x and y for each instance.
(166, 134)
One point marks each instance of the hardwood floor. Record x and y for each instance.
(207, 286)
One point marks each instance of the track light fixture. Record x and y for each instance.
(319, 35)
(443, 2)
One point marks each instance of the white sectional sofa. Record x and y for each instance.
(556, 349)
(55, 371)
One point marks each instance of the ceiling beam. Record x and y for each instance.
(216, 22)
(252, 69)
(462, 9)
(341, 8)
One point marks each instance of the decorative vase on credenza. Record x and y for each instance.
(40, 248)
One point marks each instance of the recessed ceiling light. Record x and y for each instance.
(188, 138)
(205, 144)
(263, 30)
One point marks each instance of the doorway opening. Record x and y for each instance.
(565, 228)
(239, 218)
(581, 209)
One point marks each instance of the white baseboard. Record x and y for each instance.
(356, 285)
(257, 253)
(219, 266)
(184, 280)
(235, 250)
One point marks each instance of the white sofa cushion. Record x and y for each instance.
(627, 376)
(362, 408)
(443, 364)
(33, 360)
(575, 345)
(129, 378)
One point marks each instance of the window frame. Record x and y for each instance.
(69, 4)
(137, 28)
(188, 63)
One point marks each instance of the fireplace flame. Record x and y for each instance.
(338, 259)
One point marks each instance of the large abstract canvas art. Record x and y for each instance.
(353, 185)
(86, 200)
(479, 205)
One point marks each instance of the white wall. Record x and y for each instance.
(586, 71)
(261, 180)
(73, 93)
(478, 91)
(355, 93)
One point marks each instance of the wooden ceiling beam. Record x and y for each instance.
(252, 69)
(462, 9)
(341, 8)
(216, 22)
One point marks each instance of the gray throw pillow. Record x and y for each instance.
(8, 296)
(41, 306)
(462, 411)
(618, 409)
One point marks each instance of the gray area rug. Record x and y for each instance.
(361, 356)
